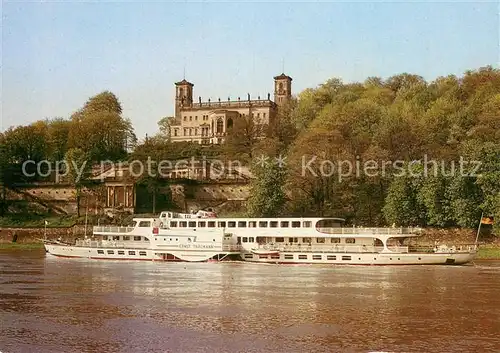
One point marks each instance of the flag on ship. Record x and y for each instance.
(487, 220)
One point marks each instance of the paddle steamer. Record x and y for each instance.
(204, 237)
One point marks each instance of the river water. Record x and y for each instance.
(49, 304)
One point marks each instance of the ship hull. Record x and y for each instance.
(139, 254)
(363, 258)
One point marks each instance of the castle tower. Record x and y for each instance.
(282, 89)
(183, 96)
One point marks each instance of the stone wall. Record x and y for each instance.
(33, 235)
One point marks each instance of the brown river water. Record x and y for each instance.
(49, 304)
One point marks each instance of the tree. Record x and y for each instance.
(267, 196)
(78, 165)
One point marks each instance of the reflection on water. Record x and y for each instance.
(49, 304)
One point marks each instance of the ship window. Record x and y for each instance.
(331, 257)
(202, 224)
(296, 224)
(275, 256)
(245, 240)
(306, 240)
(144, 224)
(131, 252)
(285, 224)
(192, 224)
(320, 240)
(302, 257)
(317, 257)
(116, 237)
(307, 224)
(173, 224)
(252, 224)
(350, 240)
(105, 237)
(346, 257)
(273, 224)
(231, 224)
(142, 253)
(211, 224)
(242, 224)
(248, 256)
(294, 240)
(222, 224)
(121, 252)
(262, 224)
(183, 224)
(251, 239)
(126, 237)
(137, 238)
(335, 240)
(262, 256)
(288, 257)
(111, 252)
(100, 251)
(280, 240)
(146, 239)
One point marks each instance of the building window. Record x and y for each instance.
(264, 115)
(185, 131)
(190, 118)
(220, 126)
(185, 118)
(229, 123)
(196, 118)
(175, 132)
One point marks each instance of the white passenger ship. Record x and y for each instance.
(204, 237)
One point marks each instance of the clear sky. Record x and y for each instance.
(56, 55)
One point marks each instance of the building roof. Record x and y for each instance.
(282, 76)
(183, 82)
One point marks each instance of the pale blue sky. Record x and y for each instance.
(56, 55)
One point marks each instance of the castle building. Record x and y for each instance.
(209, 122)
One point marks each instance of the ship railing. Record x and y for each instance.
(110, 244)
(369, 231)
(231, 247)
(339, 248)
(457, 248)
(109, 229)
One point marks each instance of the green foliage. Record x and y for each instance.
(267, 196)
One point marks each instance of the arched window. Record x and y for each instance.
(181, 92)
(229, 123)
(280, 87)
(220, 126)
